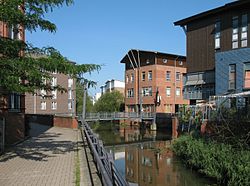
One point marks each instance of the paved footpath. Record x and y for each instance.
(48, 159)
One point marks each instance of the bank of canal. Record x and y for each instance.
(143, 157)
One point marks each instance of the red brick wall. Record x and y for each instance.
(66, 122)
(158, 80)
(14, 127)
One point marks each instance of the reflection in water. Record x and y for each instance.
(113, 134)
(147, 159)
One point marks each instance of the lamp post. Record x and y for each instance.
(175, 81)
(84, 100)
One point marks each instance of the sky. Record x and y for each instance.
(103, 31)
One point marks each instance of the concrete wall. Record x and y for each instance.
(223, 60)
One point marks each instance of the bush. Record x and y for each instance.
(222, 162)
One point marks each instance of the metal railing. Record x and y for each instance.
(118, 115)
(2, 134)
(103, 160)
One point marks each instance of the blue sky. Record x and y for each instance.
(102, 31)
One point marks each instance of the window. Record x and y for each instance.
(43, 93)
(70, 82)
(14, 102)
(130, 93)
(168, 108)
(180, 63)
(244, 30)
(54, 72)
(150, 75)
(147, 61)
(235, 32)
(168, 73)
(69, 94)
(146, 161)
(232, 75)
(69, 105)
(53, 81)
(147, 91)
(127, 78)
(178, 92)
(54, 94)
(132, 78)
(165, 60)
(247, 75)
(43, 105)
(178, 76)
(43, 78)
(54, 105)
(168, 91)
(143, 76)
(14, 32)
(217, 35)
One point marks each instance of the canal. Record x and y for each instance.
(144, 157)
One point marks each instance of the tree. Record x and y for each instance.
(20, 71)
(110, 102)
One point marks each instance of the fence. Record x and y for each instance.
(119, 115)
(225, 108)
(2, 134)
(103, 160)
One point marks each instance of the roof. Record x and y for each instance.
(152, 52)
(202, 15)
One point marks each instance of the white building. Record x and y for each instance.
(96, 97)
(112, 85)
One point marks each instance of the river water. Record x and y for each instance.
(144, 157)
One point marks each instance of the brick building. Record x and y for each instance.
(153, 80)
(12, 105)
(218, 52)
(54, 102)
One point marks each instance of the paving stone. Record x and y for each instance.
(48, 159)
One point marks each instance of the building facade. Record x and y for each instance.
(217, 51)
(54, 102)
(113, 85)
(96, 97)
(12, 105)
(153, 81)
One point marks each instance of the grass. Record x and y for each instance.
(77, 168)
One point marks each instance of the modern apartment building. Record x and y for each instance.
(153, 81)
(218, 52)
(112, 85)
(54, 102)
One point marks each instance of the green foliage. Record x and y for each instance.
(110, 102)
(22, 66)
(222, 162)
(79, 99)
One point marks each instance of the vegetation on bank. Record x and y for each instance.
(110, 102)
(229, 166)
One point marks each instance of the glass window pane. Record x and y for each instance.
(244, 43)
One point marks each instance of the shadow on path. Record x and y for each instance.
(46, 145)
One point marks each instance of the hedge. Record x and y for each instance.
(216, 160)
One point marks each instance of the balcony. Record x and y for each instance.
(193, 95)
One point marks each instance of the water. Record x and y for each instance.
(144, 157)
